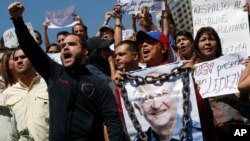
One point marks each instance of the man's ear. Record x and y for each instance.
(138, 108)
(136, 56)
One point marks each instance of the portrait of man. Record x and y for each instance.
(158, 105)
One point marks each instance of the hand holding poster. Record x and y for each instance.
(227, 18)
(157, 100)
(220, 76)
(134, 6)
(61, 18)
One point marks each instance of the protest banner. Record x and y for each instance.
(227, 18)
(10, 38)
(134, 6)
(220, 76)
(61, 18)
(56, 57)
(157, 100)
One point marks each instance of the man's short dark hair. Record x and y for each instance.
(82, 41)
(38, 33)
(62, 33)
(133, 46)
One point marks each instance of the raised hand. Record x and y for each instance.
(46, 24)
(16, 10)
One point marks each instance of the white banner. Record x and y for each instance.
(159, 105)
(134, 6)
(220, 76)
(228, 19)
(61, 18)
(10, 38)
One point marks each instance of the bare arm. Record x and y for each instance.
(118, 25)
(107, 17)
(244, 82)
(165, 20)
(133, 16)
(45, 34)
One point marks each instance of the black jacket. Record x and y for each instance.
(79, 101)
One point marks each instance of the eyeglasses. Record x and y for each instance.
(21, 57)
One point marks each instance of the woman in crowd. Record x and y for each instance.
(224, 110)
(184, 45)
(8, 71)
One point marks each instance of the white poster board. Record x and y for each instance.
(220, 76)
(56, 57)
(10, 38)
(61, 18)
(228, 19)
(134, 6)
(165, 98)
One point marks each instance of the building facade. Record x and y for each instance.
(182, 14)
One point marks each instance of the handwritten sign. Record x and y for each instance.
(134, 6)
(61, 18)
(227, 18)
(10, 38)
(56, 57)
(220, 76)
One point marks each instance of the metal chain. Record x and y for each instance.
(139, 80)
(131, 112)
(186, 104)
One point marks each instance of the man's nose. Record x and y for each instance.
(156, 103)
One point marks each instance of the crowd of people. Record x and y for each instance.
(80, 100)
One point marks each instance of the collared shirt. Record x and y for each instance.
(30, 104)
(13, 128)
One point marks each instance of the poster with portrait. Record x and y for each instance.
(62, 17)
(134, 6)
(157, 97)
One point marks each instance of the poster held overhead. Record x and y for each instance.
(61, 18)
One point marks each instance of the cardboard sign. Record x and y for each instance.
(220, 76)
(61, 18)
(228, 19)
(159, 105)
(10, 38)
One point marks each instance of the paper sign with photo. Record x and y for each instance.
(157, 99)
(134, 6)
(61, 18)
(10, 38)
